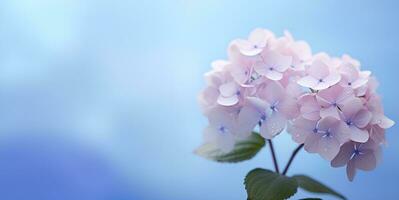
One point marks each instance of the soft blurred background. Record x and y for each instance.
(98, 99)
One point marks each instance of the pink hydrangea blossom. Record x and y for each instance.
(319, 76)
(363, 156)
(271, 84)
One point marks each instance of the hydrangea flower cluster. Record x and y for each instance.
(271, 83)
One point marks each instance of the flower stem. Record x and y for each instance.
(274, 156)
(292, 158)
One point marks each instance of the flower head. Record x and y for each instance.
(269, 84)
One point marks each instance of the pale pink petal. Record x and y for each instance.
(258, 103)
(261, 68)
(328, 122)
(301, 128)
(310, 111)
(273, 92)
(351, 170)
(321, 86)
(346, 94)
(228, 89)
(349, 70)
(366, 160)
(358, 135)
(318, 70)
(308, 81)
(221, 116)
(273, 126)
(302, 50)
(331, 111)
(359, 82)
(344, 155)
(299, 136)
(210, 134)
(247, 48)
(328, 147)
(377, 134)
(248, 118)
(273, 75)
(226, 142)
(332, 79)
(228, 101)
(341, 132)
(352, 107)
(277, 61)
(329, 95)
(289, 108)
(260, 37)
(362, 118)
(312, 142)
(240, 74)
(382, 121)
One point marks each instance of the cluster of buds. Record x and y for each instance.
(271, 84)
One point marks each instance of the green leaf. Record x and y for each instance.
(314, 186)
(263, 184)
(243, 150)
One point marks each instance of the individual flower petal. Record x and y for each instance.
(328, 147)
(344, 155)
(273, 65)
(382, 121)
(308, 81)
(358, 135)
(225, 141)
(248, 118)
(318, 70)
(362, 118)
(227, 101)
(365, 160)
(351, 170)
(273, 126)
(301, 128)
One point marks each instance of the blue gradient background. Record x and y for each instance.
(98, 98)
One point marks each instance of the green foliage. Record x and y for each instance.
(243, 150)
(263, 184)
(314, 186)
